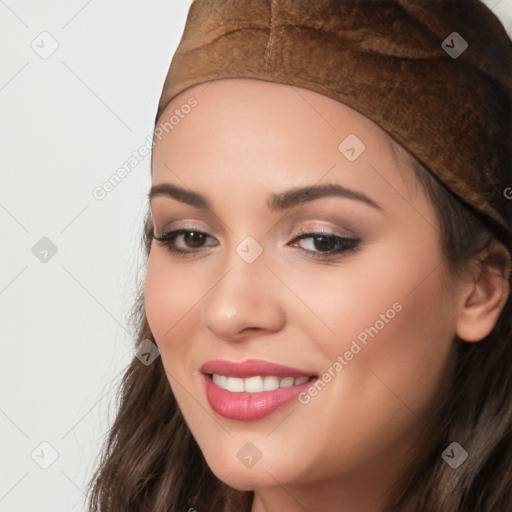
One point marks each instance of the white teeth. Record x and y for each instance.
(256, 384)
(252, 384)
(287, 382)
(234, 384)
(220, 380)
(270, 383)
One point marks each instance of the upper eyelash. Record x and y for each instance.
(353, 243)
(168, 236)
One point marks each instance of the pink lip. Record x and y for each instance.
(246, 406)
(251, 368)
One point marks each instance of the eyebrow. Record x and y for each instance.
(276, 202)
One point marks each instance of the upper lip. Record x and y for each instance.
(251, 368)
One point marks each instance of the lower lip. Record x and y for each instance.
(249, 406)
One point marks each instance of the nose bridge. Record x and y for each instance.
(243, 296)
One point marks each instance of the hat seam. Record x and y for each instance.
(270, 41)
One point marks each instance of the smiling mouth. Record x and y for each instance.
(257, 383)
(252, 389)
(254, 397)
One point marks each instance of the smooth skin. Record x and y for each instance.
(245, 140)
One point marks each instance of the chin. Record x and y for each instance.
(247, 480)
(264, 473)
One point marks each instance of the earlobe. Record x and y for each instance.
(485, 297)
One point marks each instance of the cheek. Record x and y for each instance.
(394, 323)
(387, 388)
(388, 286)
(169, 299)
(407, 351)
(395, 379)
(170, 293)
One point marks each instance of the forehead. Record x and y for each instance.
(242, 121)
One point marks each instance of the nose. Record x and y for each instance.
(246, 300)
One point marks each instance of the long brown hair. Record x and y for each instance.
(151, 463)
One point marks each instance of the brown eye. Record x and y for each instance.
(192, 240)
(327, 245)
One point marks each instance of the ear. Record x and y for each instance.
(485, 294)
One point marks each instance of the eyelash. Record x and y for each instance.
(345, 245)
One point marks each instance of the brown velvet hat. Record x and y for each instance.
(435, 74)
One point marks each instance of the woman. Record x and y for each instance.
(328, 274)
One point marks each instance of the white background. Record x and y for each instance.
(68, 122)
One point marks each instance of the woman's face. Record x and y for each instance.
(371, 325)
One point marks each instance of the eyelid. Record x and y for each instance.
(296, 231)
(328, 230)
(188, 227)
